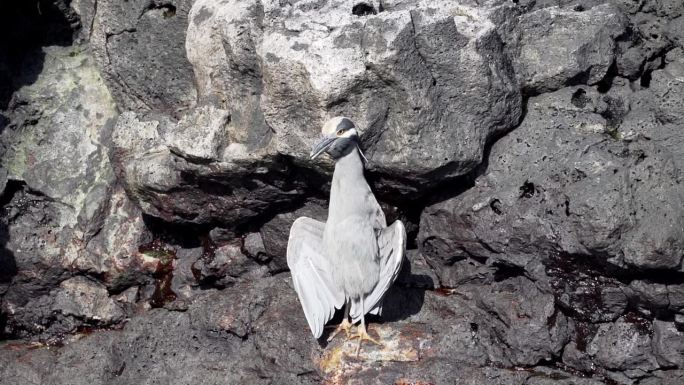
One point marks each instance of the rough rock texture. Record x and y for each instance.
(559, 46)
(564, 184)
(153, 155)
(137, 47)
(396, 74)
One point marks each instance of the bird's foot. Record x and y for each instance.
(345, 326)
(362, 335)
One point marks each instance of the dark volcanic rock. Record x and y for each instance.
(255, 333)
(557, 47)
(561, 184)
(140, 46)
(535, 146)
(223, 265)
(569, 199)
(275, 233)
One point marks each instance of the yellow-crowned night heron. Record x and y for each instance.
(352, 259)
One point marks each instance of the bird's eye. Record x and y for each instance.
(340, 131)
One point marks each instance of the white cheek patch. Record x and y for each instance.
(349, 133)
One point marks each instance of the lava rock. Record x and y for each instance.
(139, 46)
(87, 300)
(668, 344)
(560, 184)
(623, 345)
(54, 140)
(525, 318)
(276, 232)
(223, 266)
(396, 74)
(558, 47)
(178, 184)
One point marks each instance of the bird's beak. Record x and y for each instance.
(321, 146)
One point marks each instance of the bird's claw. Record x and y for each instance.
(344, 325)
(362, 335)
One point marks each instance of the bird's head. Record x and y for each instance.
(339, 137)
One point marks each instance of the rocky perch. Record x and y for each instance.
(153, 155)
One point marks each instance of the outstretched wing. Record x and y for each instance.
(392, 244)
(312, 273)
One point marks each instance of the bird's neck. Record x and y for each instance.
(350, 166)
(348, 186)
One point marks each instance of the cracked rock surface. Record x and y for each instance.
(153, 155)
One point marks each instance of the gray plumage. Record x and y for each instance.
(352, 259)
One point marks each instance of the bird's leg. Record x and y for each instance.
(344, 325)
(362, 334)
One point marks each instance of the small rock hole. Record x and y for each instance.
(505, 271)
(645, 80)
(579, 98)
(363, 9)
(567, 208)
(527, 190)
(168, 10)
(495, 205)
(578, 8)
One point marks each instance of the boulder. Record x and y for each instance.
(562, 185)
(182, 180)
(391, 69)
(88, 300)
(557, 46)
(63, 214)
(139, 46)
(265, 88)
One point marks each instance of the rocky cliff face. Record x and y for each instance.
(154, 155)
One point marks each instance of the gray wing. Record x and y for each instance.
(312, 273)
(392, 244)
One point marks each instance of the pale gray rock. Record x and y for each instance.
(114, 251)
(200, 135)
(56, 156)
(676, 31)
(254, 246)
(82, 298)
(208, 180)
(393, 72)
(264, 90)
(668, 344)
(650, 297)
(54, 138)
(3, 180)
(622, 346)
(655, 112)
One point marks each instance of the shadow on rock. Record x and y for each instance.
(25, 26)
(8, 265)
(406, 296)
(402, 302)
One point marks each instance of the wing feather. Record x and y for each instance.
(392, 244)
(312, 273)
